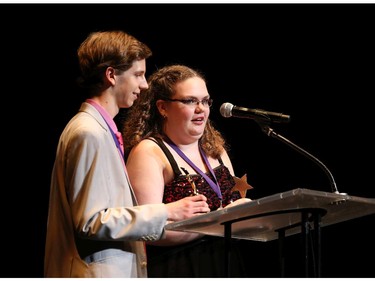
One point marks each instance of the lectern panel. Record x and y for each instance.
(261, 219)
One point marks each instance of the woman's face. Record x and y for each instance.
(188, 110)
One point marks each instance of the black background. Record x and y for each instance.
(314, 62)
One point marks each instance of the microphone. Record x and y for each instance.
(228, 110)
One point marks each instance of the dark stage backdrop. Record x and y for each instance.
(314, 62)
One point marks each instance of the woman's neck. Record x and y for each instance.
(191, 146)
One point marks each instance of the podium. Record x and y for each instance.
(280, 215)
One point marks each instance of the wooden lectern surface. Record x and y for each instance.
(261, 219)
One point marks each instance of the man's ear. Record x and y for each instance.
(110, 75)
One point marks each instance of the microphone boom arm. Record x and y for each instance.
(270, 132)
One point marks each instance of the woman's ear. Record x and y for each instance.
(160, 104)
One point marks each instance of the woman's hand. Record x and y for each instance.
(238, 202)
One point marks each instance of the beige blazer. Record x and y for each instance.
(93, 228)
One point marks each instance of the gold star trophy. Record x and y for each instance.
(241, 185)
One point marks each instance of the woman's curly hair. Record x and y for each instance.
(144, 120)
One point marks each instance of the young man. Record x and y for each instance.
(95, 227)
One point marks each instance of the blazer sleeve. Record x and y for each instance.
(98, 190)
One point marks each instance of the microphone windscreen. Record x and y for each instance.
(226, 109)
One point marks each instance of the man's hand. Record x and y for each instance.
(187, 207)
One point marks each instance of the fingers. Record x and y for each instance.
(238, 202)
(197, 204)
(200, 203)
(204, 209)
(187, 207)
(198, 197)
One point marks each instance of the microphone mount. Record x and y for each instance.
(271, 133)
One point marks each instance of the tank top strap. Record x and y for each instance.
(220, 161)
(169, 155)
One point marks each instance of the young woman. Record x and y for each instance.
(175, 152)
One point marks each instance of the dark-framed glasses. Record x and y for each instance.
(193, 102)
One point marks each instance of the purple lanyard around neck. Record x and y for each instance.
(214, 185)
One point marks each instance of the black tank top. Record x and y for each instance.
(180, 186)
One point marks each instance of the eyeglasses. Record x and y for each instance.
(193, 102)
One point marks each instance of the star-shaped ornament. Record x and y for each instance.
(241, 185)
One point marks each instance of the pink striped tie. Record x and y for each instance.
(120, 140)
